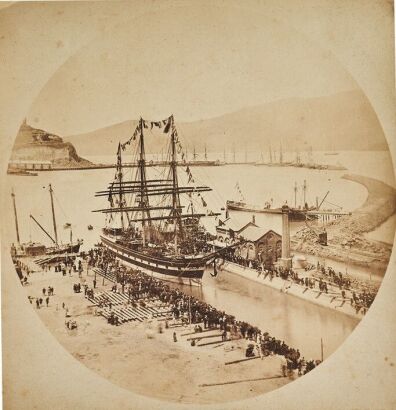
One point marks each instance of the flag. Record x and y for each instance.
(67, 225)
(167, 126)
(204, 204)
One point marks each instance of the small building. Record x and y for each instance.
(260, 244)
(228, 230)
(29, 165)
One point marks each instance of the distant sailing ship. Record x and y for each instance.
(36, 248)
(157, 238)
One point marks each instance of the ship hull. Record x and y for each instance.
(69, 248)
(295, 215)
(184, 272)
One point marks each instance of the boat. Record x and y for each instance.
(36, 248)
(90, 227)
(295, 214)
(331, 153)
(146, 227)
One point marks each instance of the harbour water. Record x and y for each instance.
(299, 323)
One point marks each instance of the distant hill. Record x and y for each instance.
(343, 121)
(39, 145)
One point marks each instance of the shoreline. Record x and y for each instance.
(329, 301)
(346, 235)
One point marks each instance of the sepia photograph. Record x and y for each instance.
(198, 204)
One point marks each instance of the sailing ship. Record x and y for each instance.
(36, 248)
(146, 227)
(204, 162)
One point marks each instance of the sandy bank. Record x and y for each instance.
(136, 357)
(346, 240)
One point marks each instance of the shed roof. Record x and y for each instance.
(235, 225)
(254, 233)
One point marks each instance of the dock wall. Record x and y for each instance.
(330, 301)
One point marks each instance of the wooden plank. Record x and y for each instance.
(204, 337)
(240, 381)
(242, 360)
(213, 343)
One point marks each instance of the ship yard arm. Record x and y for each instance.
(49, 236)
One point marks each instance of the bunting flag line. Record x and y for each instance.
(237, 187)
(167, 124)
(134, 135)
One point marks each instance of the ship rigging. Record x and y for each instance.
(157, 231)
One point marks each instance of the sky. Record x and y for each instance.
(195, 62)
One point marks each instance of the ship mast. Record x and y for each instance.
(305, 191)
(119, 178)
(143, 188)
(144, 201)
(53, 214)
(175, 191)
(206, 154)
(16, 216)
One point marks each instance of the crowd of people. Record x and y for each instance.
(45, 297)
(361, 300)
(188, 309)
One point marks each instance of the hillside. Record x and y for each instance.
(344, 121)
(39, 145)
